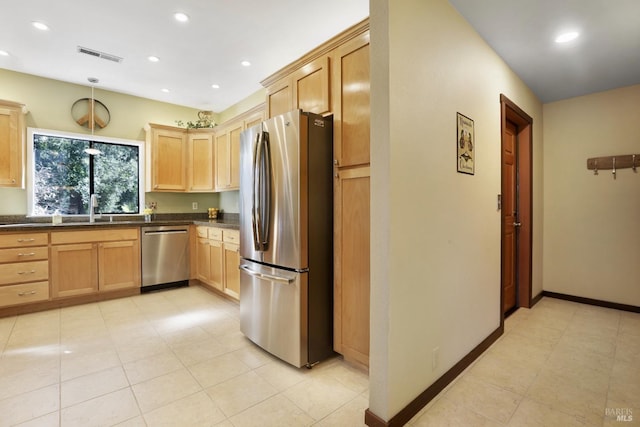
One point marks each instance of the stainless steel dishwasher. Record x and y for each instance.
(165, 257)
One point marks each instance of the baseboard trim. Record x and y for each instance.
(536, 299)
(409, 411)
(590, 301)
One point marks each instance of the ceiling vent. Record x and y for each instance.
(99, 54)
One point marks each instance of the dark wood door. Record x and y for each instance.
(509, 216)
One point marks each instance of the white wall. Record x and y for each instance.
(592, 223)
(435, 232)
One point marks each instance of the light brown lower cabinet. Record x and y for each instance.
(74, 269)
(351, 266)
(216, 276)
(219, 259)
(204, 259)
(231, 270)
(118, 265)
(86, 262)
(24, 268)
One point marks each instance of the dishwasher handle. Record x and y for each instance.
(147, 233)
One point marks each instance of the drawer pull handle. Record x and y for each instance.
(29, 254)
(26, 240)
(26, 272)
(25, 293)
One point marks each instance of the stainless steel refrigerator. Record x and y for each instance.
(286, 243)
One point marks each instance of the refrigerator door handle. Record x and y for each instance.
(266, 276)
(261, 192)
(254, 223)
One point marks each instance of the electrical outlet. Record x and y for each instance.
(194, 206)
(434, 359)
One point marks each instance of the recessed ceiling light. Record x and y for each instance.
(153, 58)
(215, 86)
(165, 90)
(245, 63)
(181, 17)
(40, 25)
(4, 53)
(567, 37)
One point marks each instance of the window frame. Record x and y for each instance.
(30, 178)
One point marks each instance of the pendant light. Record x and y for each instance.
(92, 122)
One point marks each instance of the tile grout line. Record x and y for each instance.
(615, 353)
(525, 395)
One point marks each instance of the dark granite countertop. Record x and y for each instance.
(220, 223)
(16, 223)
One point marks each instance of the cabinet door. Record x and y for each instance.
(118, 265)
(234, 157)
(279, 97)
(311, 87)
(11, 146)
(351, 102)
(74, 269)
(253, 121)
(228, 158)
(204, 259)
(200, 168)
(168, 160)
(216, 266)
(222, 161)
(351, 277)
(232, 270)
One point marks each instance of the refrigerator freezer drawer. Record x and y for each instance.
(273, 310)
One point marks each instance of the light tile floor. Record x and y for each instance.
(172, 358)
(177, 358)
(558, 364)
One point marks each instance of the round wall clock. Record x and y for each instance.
(89, 113)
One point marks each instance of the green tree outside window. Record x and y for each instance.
(65, 175)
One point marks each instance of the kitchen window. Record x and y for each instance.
(66, 168)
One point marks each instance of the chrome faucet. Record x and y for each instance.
(93, 203)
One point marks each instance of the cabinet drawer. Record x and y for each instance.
(231, 236)
(23, 239)
(21, 255)
(82, 236)
(24, 293)
(19, 272)
(202, 231)
(215, 233)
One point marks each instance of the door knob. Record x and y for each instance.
(517, 224)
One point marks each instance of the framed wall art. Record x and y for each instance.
(466, 143)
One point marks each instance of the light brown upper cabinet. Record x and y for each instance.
(280, 97)
(227, 147)
(228, 157)
(307, 88)
(351, 102)
(179, 159)
(12, 143)
(166, 158)
(200, 163)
